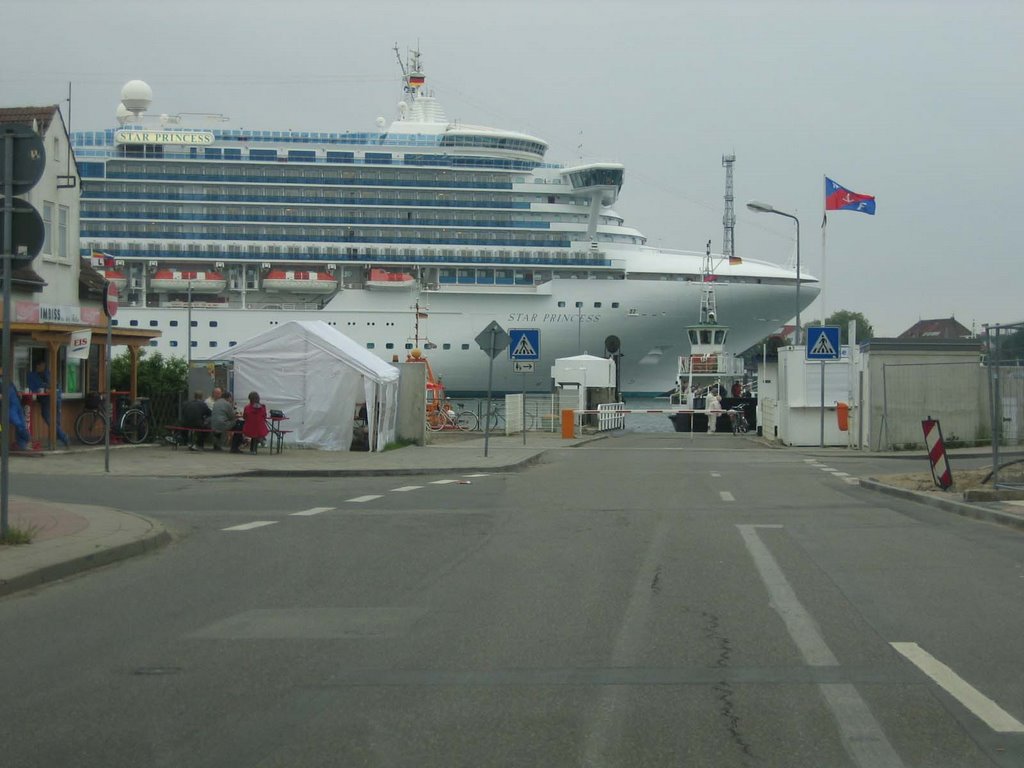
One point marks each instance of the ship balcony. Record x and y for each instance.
(716, 364)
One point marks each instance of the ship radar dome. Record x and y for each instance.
(122, 114)
(381, 122)
(136, 96)
(403, 108)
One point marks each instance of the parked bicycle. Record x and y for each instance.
(740, 425)
(447, 418)
(90, 426)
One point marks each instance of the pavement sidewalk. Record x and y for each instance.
(69, 539)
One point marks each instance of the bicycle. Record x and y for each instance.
(446, 418)
(740, 425)
(91, 424)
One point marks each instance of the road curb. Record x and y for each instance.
(950, 505)
(154, 539)
(395, 471)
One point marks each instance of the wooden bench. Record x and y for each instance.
(275, 437)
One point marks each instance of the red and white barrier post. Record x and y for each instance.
(941, 473)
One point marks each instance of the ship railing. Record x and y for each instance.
(717, 364)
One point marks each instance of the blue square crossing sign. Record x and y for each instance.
(524, 344)
(823, 342)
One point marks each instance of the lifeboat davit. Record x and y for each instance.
(119, 279)
(173, 280)
(382, 278)
(303, 282)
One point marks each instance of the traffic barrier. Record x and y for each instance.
(568, 424)
(941, 473)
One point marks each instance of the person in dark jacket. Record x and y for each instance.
(195, 415)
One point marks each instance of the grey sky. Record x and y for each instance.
(917, 103)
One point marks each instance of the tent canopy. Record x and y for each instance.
(317, 376)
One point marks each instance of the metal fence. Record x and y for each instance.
(953, 393)
(1005, 369)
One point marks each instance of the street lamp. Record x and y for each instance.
(765, 208)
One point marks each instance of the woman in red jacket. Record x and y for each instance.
(255, 416)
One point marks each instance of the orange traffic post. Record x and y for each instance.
(568, 424)
(843, 416)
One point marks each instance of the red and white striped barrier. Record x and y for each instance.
(941, 473)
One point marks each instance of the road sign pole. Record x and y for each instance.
(821, 438)
(5, 360)
(490, 380)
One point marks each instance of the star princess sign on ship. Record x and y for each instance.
(470, 222)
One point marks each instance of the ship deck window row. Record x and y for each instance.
(311, 157)
(105, 138)
(567, 260)
(114, 191)
(285, 179)
(359, 218)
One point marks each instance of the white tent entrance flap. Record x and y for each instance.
(317, 376)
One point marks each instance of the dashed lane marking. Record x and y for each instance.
(311, 512)
(478, 474)
(406, 488)
(726, 496)
(250, 526)
(442, 482)
(716, 474)
(994, 716)
(361, 499)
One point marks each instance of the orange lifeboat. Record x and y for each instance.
(173, 280)
(382, 278)
(303, 282)
(119, 279)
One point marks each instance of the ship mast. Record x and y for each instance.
(729, 218)
(708, 305)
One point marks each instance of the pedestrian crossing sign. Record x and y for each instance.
(823, 342)
(524, 344)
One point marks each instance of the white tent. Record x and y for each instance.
(317, 375)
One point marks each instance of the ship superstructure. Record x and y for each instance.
(249, 228)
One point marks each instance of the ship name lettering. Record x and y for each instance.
(522, 317)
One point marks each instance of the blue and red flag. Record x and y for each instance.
(839, 198)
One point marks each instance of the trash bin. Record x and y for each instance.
(568, 424)
(843, 416)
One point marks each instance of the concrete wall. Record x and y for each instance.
(412, 402)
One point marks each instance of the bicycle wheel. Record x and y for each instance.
(90, 427)
(435, 421)
(467, 420)
(134, 426)
(495, 421)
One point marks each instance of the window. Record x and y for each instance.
(174, 323)
(154, 323)
(47, 227)
(389, 345)
(133, 323)
(174, 343)
(213, 343)
(615, 305)
(465, 346)
(446, 346)
(62, 231)
(213, 323)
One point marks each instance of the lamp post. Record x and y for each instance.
(765, 208)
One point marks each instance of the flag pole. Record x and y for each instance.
(824, 229)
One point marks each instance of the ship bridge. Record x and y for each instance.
(600, 183)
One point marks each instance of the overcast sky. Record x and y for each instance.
(918, 103)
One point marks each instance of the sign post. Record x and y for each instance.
(523, 350)
(110, 310)
(491, 340)
(823, 345)
(22, 161)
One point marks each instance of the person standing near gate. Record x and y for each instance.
(39, 384)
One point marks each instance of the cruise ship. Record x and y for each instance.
(214, 234)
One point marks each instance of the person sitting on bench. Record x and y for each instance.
(195, 415)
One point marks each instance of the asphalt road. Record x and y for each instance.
(639, 601)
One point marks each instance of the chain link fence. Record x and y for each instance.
(1005, 374)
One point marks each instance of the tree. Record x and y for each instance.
(158, 375)
(842, 318)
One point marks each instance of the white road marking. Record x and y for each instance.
(811, 461)
(442, 482)
(826, 469)
(862, 736)
(478, 474)
(726, 496)
(406, 488)
(853, 480)
(716, 474)
(310, 512)
(250, 526)
(994, 716)
(840, 474)
(361, 499)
